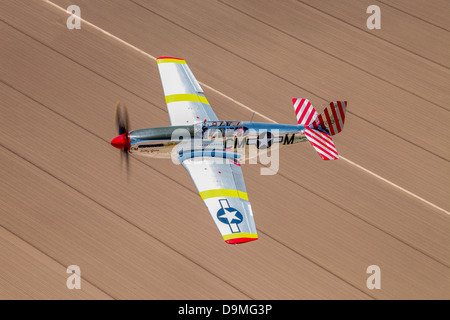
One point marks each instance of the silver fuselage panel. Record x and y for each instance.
(228, 136)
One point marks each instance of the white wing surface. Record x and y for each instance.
(221, 186)
(185, 100)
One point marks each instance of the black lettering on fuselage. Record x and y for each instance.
(239, 144)
(288, 140)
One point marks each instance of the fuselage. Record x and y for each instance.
(229, 136)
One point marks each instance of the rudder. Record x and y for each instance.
(332, 118)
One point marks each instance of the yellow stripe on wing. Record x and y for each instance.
(240, 235)
(169, 60)
(186, 97)
(215, 193)
(243, 195)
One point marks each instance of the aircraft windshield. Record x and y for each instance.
(213, 129)
(222, 123)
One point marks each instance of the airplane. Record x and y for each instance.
(211, 150)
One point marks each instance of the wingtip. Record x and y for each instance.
(169, 58)
(240, 240)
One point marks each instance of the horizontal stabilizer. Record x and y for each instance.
(304, 111)
(322, 142)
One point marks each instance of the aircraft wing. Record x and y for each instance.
(185, 100)
(222, 188)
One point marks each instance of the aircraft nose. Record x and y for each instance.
(121, 142)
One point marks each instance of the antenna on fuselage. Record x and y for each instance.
(251, 120)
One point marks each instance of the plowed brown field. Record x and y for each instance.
(65, 198)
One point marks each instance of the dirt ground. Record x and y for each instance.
(65, 198)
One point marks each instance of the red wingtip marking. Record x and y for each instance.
(169, 58)
(240, 240)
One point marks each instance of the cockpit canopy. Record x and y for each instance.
(213, 129)
(226, 124)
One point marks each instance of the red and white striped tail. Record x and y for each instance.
(320, 128)
(322, 142)
(332, 118)
(304, 111)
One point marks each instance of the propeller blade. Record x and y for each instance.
(121, 116)
(123, 127)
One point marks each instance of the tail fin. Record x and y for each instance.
(332, 118)
(320, 128)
